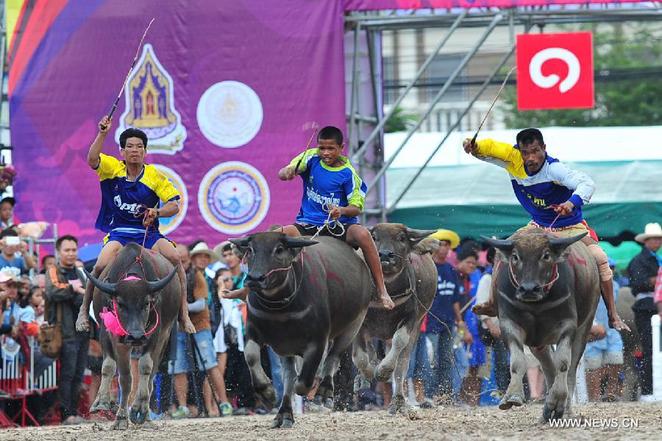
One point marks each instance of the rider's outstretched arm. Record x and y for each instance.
(97, 145)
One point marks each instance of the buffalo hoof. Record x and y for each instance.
(100, 406)
(267, 395)
(325, 389)
(509, 401)
(137, 415)
(383, 373)
(300, 388)
(398, 405)
(120, 424)
(283, 421)
(550, 413)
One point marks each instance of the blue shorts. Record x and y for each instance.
(136, 235)
(608, 350)
(182, 362)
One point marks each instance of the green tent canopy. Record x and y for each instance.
(476, 200)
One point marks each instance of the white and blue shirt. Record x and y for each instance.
(553, 184)
(324, 186)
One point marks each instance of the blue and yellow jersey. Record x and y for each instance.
(553, 184)
(324, 186)
(123, 201)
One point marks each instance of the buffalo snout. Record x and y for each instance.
(256, 281)
(386, 255)
(136, 338)
(529, 292)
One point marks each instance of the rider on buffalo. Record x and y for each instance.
(553, 194)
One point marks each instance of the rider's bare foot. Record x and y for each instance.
(487, 308)
(386, 301)
(618, 324)
(82, 323)
(186, 325)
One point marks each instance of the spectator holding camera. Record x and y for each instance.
(15, 256)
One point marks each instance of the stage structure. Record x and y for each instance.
(366, 117)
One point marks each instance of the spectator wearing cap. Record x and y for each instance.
(15, 256)
(7, 212)
(201, 257)
(642, 270)
(444, 315)
(603, 356)
(64, 290)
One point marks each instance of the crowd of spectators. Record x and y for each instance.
(460, 358)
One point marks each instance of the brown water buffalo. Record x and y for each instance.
(139, 293)
(547, 291)
(411, 280)
(308, 303)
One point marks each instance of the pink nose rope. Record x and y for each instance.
(113, 324)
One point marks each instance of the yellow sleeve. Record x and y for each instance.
(109, 167)
(302, 160)
(163, 187)
(502, 154)
(356, 196)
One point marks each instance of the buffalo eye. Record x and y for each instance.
(402, 237)
(546, 256)
(279, 249)
(514, 257)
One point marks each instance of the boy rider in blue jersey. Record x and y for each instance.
(553, 195)
(332, 189)
(130, 191)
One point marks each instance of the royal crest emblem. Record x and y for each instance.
(233, 197)
(150, 105)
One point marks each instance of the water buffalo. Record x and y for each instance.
(136, 302)
(303, 302)
(411, 280)
(547, 293)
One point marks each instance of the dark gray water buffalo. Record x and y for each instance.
(547, 291)
(302, 302)
(136, 303)
(411, 281)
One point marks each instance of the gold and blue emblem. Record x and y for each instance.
(150, 105)
(233, 197)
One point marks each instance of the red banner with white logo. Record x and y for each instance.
(555, 71)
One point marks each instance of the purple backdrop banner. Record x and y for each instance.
(226, 90)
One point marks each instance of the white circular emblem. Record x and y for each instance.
(546, 82)
(168, 224)
(233, 197)
(229, 114)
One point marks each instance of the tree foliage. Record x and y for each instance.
(628, 84)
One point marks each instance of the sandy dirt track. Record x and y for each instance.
(435, 424)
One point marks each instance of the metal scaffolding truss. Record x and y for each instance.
(364, 118)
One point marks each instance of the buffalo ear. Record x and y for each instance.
(504, 246)
(298, 242)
